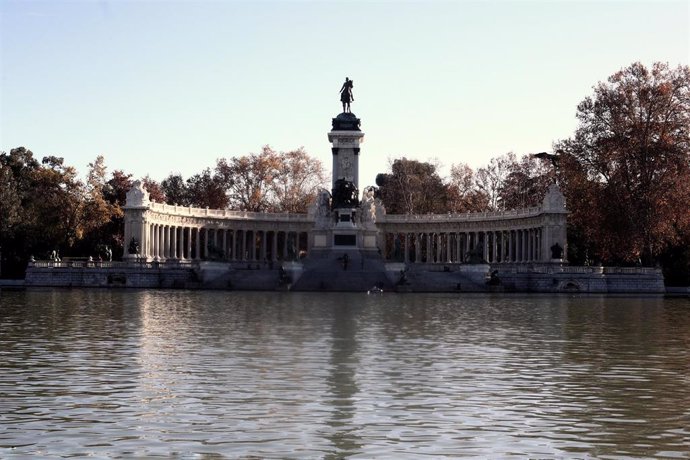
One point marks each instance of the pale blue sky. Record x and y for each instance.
(159, 87)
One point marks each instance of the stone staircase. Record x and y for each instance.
(326, 272)
(219, 275)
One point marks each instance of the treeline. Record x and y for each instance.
(625, 174)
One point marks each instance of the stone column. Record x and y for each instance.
(165, 240)
(197, 244)
(449, 245)
(171, 241)
(152, 238)
(251, 245)
(406, 257)
(524, 245)
(188, 255)
(429, 248)
(531, 244)
(180, 243)
(263, 246)
(437, 242)
(160, 242)
(274, 247)
(151, 246)
(157, 241)
(286, 253)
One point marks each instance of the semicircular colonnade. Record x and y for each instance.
(169, 232)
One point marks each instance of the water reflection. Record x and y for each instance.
(276, 375)
(341, 380)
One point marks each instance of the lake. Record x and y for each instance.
(211, 375)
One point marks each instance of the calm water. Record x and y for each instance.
(268, 375)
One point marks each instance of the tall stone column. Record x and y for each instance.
(429, 249)
(286, 243)
(152, 247)
(345, 138)
(448, 247)
(152, 241)
(161, 242)
(189, 242)
(524, 245)
(173, 242)
(197, 244)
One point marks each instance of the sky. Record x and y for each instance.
(160, 87)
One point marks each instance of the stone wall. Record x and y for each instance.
(109, 275)
(420, 277)
(558, 278)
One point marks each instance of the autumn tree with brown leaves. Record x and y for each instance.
(272, 181)
(526, 183)
(626, 170)
(463, 193)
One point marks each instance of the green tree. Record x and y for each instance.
(50, 198)
(208, 190)
(175, 190)
(412, 187)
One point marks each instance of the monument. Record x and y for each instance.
(342, 222)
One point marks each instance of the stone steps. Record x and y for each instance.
(327, 273)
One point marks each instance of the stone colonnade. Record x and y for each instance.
(500, 246)
(536, 234)
(166, 232)
(164, 242)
